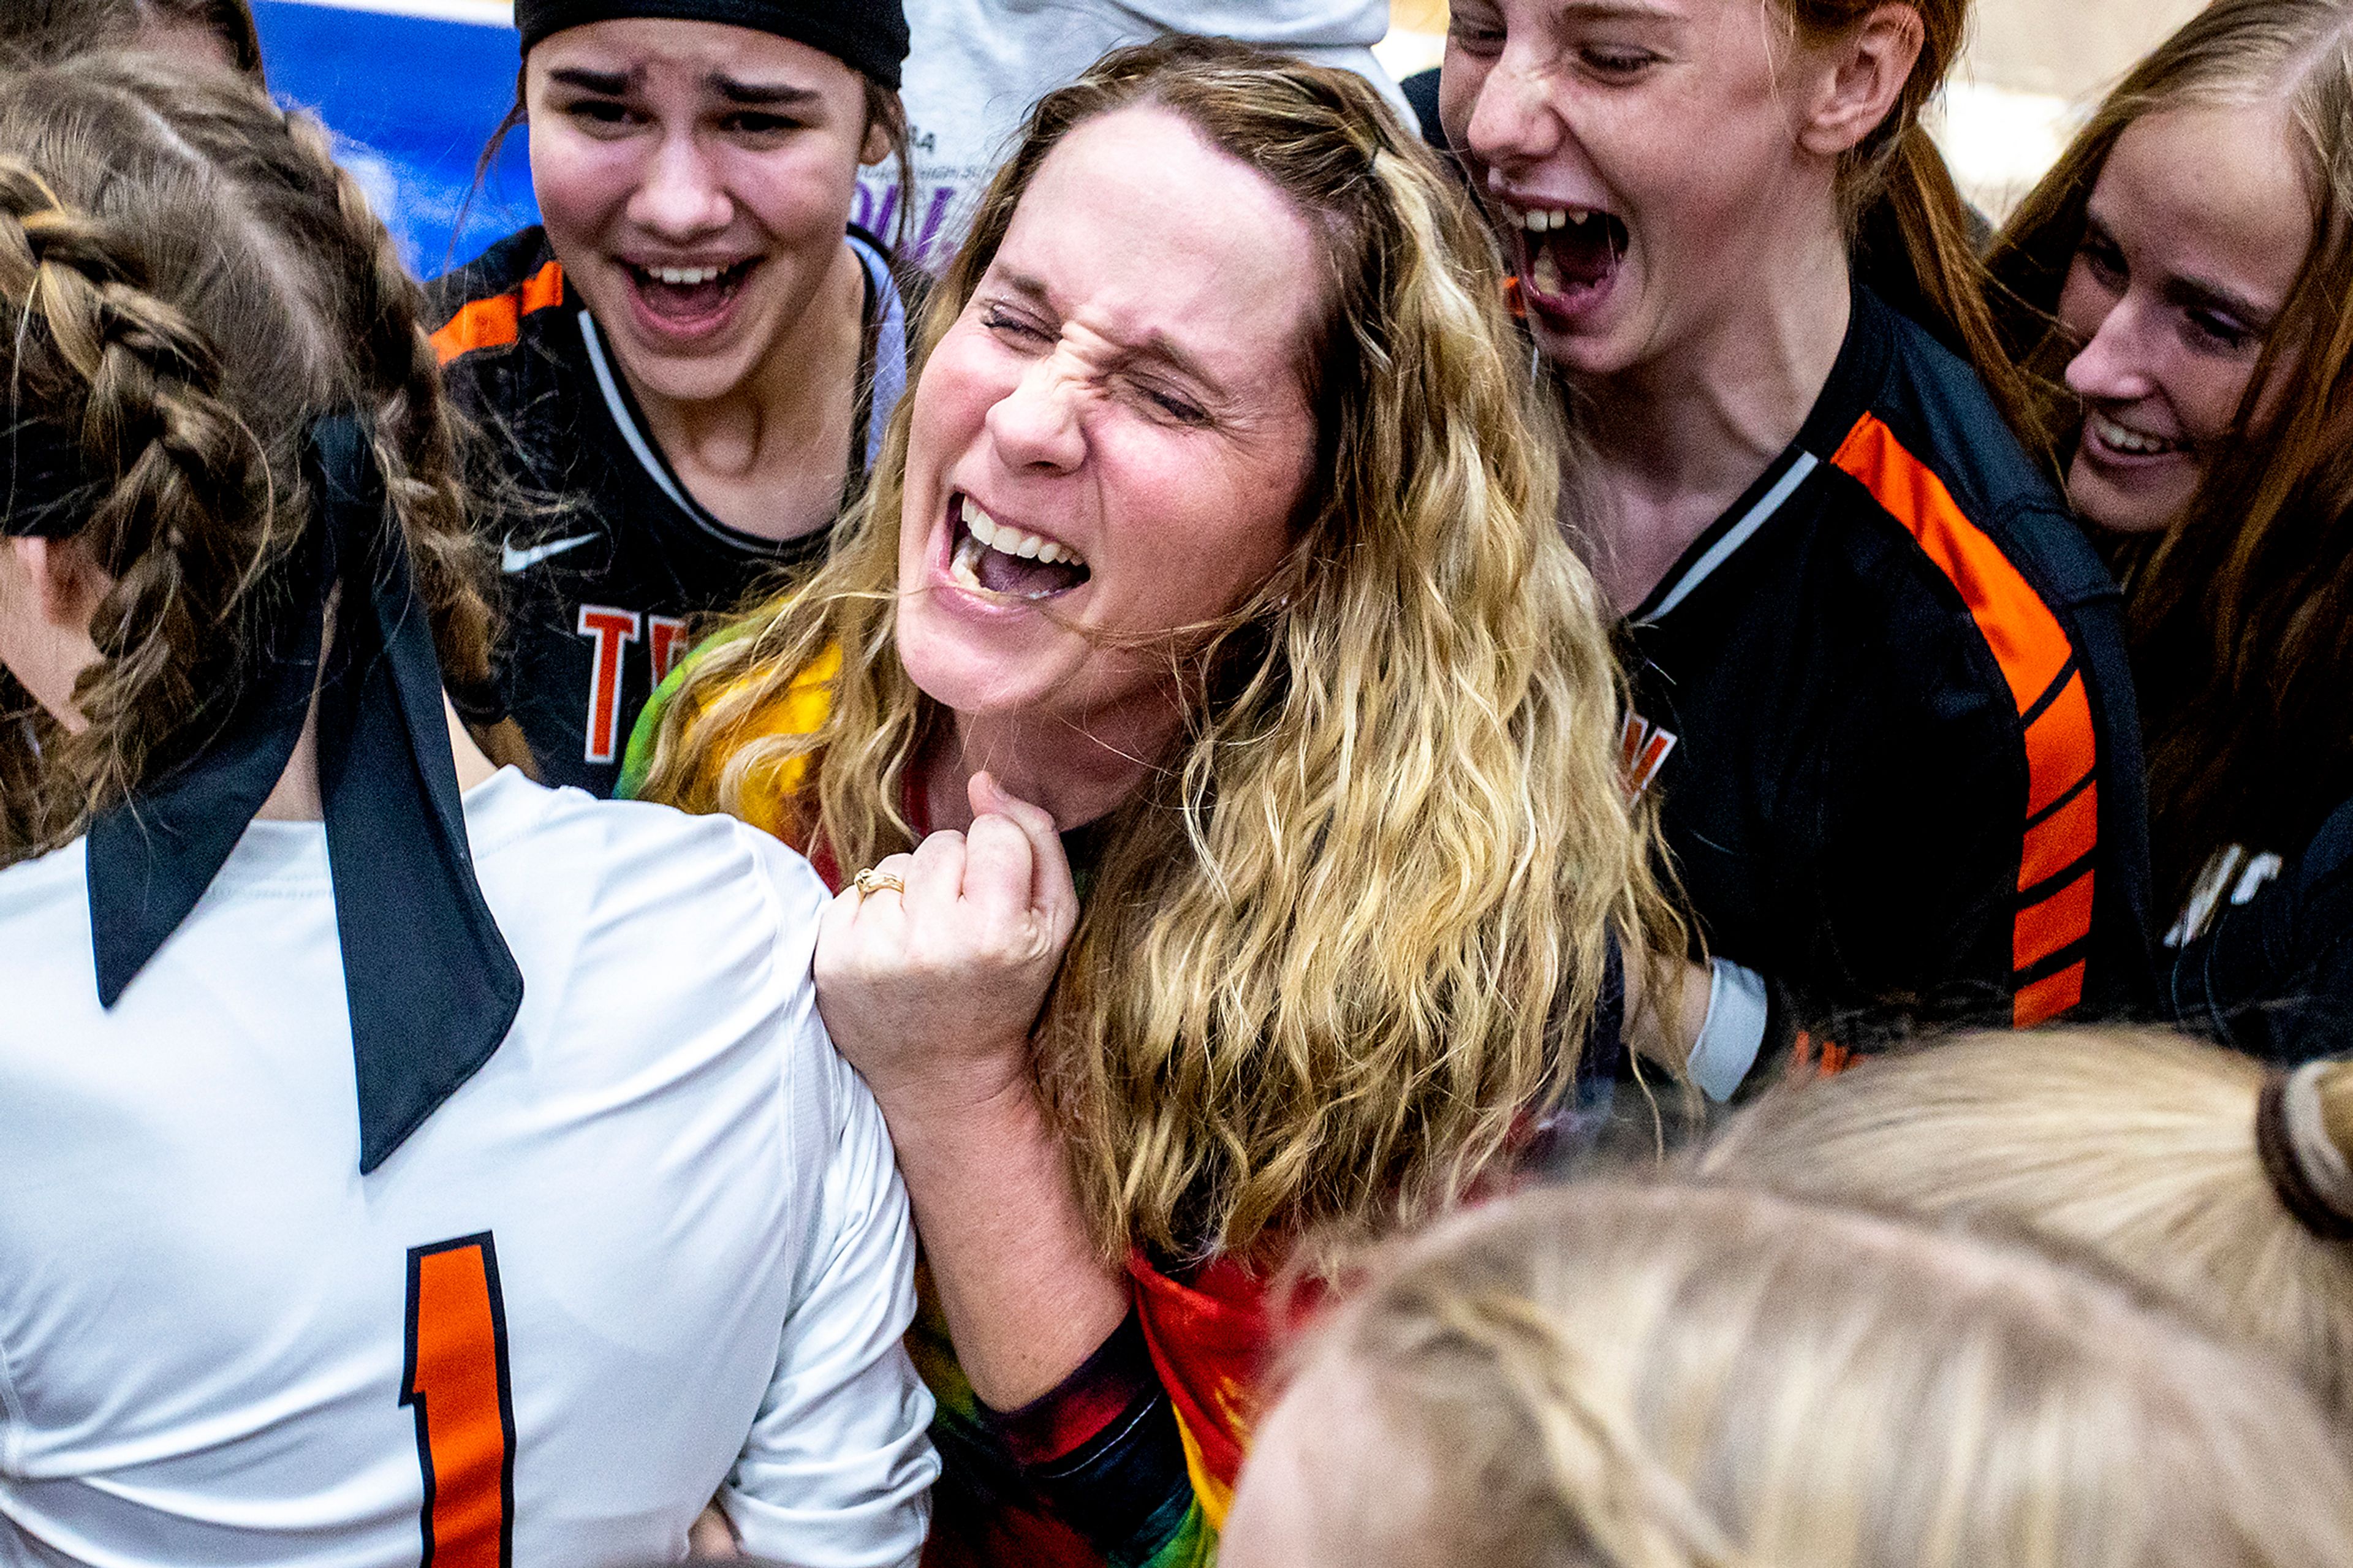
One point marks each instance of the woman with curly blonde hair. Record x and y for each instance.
(1617, 1376)
(1216, 538)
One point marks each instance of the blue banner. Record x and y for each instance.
(412, 96)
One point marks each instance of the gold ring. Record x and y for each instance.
(874, 880)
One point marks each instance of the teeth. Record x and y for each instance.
(991, 534)
(2127, 440)
(1546, 274)
(977, 522)
(1545, 220)
(687, 275)
(965, 566)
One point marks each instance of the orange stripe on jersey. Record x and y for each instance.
(2034, 651)
(497, 321)
(457, 1382)
(2048, 925)
(2059, 840)
(2059, 754)
(2046, 999)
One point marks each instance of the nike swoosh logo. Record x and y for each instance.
(511, 561)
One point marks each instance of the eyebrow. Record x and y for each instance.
(614, 84)
(2197, 293)
(1158, 346)
(766, 94)
(1614, 11)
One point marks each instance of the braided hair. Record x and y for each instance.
(34, 32)
(186, 279)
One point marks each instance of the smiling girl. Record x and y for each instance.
(693, 361)
(1882, 685)
(2182, 283)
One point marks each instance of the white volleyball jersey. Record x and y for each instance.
(654, 1250)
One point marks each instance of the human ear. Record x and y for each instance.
(49, 592)
(1868, 69)
(878, 144)
(68, 585)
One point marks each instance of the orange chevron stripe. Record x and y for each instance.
(2032, 649)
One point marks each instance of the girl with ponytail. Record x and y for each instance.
(2225, 1182)
(377, 1121)
(1880, 676)
(1617, 1376)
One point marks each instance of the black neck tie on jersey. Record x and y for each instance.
(431, 985)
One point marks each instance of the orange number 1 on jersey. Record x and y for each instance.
(457, 1382)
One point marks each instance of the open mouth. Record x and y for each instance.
(1000, 559)
(2110, 439)
(1567, 253)
(690, 293)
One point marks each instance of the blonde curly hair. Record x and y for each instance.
(1355, 927)
(1623, 1375)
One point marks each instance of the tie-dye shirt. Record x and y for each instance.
(1131, 1462)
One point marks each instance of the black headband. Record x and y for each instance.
(868, 36)
(431, 986)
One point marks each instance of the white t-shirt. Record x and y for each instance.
(977, 67)
(657, 1249)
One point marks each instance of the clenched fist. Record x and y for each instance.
(932, 992)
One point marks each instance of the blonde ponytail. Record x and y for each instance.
(1623, 1375)
(2144, 1147)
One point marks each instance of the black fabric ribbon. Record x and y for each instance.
(431, 985)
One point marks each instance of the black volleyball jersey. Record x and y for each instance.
(1885, 703)
(2262, 959)
(608, 561)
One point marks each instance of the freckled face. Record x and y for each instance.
(1112, 437)
(2195, 230)
(695, 179)
(1654, 140)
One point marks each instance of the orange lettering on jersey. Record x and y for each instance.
(665, 640)
(457, 1382)
(613, 630)
(1642, 752)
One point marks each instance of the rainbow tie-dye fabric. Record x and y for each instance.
(1084, 1478)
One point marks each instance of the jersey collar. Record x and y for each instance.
(1855, 376)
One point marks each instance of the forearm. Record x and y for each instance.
(1026, 1291)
